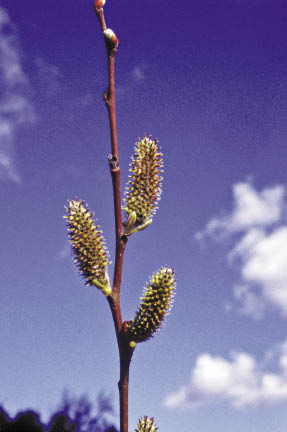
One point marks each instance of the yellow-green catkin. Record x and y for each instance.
(155, 305)
(146, 425)
(88, 245)
(143, 190)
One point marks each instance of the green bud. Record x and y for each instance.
(130, 225)
(88, 245)
(143, 226)
(155, 305)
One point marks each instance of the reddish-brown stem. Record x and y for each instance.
(125, 351)
(100, 15)
(109, 97)
(124, 397)
(125, 359)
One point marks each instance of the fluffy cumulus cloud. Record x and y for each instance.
(15, 104)
(258, 231)
(251, 208)
(239, 380)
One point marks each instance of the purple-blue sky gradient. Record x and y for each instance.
(208, 78)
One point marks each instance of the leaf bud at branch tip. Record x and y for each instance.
(98, 4)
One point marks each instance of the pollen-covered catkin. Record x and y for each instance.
(143, 190)
(155, 306)
(88, 245)
(146, 425)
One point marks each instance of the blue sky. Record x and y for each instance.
(209, 80)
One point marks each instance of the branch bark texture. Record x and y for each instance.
(125, 350)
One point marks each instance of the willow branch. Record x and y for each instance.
(125, 350)
(109, 98)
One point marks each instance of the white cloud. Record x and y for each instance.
(15, 106)
(6, 156)
(260, 250)
(134, 79)
(263, 262)
(138, 73)
(249, 300)
(64, 252)
(49, 77)
(283, 357)
(250, 209)
(239, 380)
(10, 64)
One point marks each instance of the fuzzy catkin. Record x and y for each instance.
(143, 190)
(155, 305)
(88, 245)
(146, 425)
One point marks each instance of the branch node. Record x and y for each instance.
(114, 163)
(106, 97)
(124, 238)
(113, 52)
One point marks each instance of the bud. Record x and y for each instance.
(98, 4)
(129, 227)
(155, 305)
(88, 245)
(111, 39)
(146, 425)
(143, 190)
